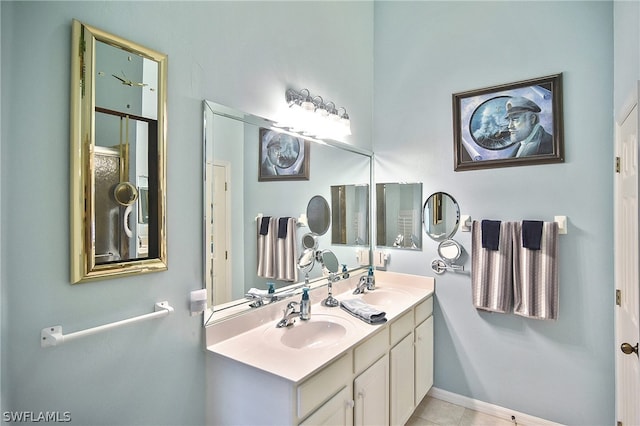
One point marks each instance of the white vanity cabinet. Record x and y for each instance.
(402, 361)
(312, 394)
(378, 379)
(423, 358)
(338, 411)
(371, 385)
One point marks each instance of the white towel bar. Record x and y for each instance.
(52, 336)
(465, 223)
(300, 221)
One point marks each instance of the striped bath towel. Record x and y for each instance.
(492, 271)
(267, 234)
(535, 274)
(286, 255)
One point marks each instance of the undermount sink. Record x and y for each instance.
(319, 332)
(384, 296)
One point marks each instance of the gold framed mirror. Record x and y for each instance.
(118, 156)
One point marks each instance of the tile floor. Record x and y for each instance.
(433, 411)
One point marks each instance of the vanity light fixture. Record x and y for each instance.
(313, 116)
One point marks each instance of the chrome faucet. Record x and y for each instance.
(362, 285)
(289, 316)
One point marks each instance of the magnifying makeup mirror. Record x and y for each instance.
(310, 241)
(330, 264)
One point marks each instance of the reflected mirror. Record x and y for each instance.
(398, 211)
(234, 197)
(118, 125)
(329, 261)
(441, 216)
(318, 215)
(350, 214)
(310, 241)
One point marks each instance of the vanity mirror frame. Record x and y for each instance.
(222, 311)
(83, 165)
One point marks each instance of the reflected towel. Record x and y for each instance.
(266, 249)
(491, 270)
(531, 234)
(363, 311)
(282, 227)
(286, 258)
(264, 225)
(535, 274)
(491, 234)
(254, 292)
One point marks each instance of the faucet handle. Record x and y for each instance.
(291, 307)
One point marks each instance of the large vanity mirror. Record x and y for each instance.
(118, 163)
(398, 215)
(237, 201)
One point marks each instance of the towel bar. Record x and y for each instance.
(465, 223)
(52, 336)
(300, 221)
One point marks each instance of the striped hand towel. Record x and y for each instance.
(535, 274)
(491, 271)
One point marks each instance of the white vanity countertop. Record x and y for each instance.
(253, 338)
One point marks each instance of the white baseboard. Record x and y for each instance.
(521, 419)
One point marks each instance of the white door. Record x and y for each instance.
(221, 236)
(626, 269)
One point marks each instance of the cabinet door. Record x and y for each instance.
(338, 411)
(424, 358)
(371, 392)
(402, 378)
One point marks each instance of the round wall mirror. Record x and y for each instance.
(440, 216)
(318, 215)
(449, 250)
(329, 261)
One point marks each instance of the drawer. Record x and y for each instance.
(401, 327)
(371, 350)
(317, 389)
(424, 310)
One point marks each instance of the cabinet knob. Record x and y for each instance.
(627, 349)
(351, 403)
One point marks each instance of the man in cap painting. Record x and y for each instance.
(525, 128)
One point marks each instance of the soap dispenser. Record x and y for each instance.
(345, 272)
(272, 291)
(305, 305)
(371, 279)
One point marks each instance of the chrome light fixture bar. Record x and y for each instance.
(312, 116)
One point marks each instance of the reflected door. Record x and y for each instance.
(221, 237)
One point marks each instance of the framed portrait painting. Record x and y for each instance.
(282, 156)
(513, 124)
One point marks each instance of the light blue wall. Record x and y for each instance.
(244, 54)
(425, 51)
(626, 64)
(241, 54)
